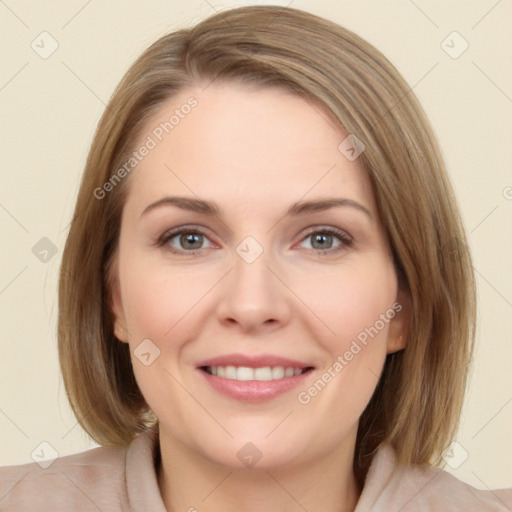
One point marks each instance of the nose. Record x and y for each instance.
(254, 297)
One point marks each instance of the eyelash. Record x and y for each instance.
(343, 237)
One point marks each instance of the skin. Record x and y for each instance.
(254, 151)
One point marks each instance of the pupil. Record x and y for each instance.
(321, 239)
(191, 238)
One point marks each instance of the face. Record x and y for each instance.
(267, 320)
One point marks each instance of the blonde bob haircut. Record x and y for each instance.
(417, 402)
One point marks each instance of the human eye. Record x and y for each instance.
(185, 240)
(329, 240)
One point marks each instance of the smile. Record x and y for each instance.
(245, 373)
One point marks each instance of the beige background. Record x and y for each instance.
(49, 109)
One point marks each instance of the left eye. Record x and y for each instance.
(323, 240)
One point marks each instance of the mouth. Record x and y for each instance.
(262, 374)
(254, 378)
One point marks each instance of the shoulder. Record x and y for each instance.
(91, 480)
(423, 488)
(427, 488)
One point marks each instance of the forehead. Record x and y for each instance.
(244, 144)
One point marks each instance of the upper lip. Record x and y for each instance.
(253, 361)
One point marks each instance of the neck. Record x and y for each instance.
(191, 482)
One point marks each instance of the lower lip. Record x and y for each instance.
(254, 390)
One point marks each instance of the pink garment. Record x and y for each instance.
(113, 478)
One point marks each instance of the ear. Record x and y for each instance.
(399, 325)
(116, 309)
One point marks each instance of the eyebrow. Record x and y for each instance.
(296, 209)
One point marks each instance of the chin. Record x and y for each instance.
(255, 453)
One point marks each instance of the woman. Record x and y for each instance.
(309, 350)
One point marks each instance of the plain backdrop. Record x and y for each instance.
(49, 108)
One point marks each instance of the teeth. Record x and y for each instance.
(230, 372)
(289, 372)
(246, 373)
(278, 372)
(243, 373)
(263, 373)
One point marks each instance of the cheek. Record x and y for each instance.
(155, 300)
(161, 306)
(349, 299)
(356, 304)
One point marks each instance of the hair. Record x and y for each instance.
(417, 403)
